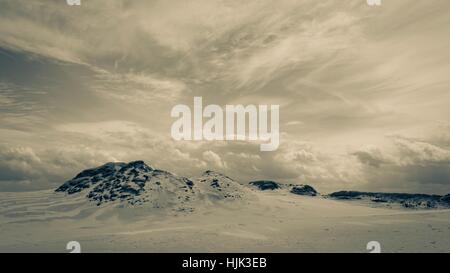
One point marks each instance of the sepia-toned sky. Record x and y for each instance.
(364, 91)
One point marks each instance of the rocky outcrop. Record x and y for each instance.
(265, 185)
(304, 190)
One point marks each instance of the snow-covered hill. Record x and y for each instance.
(136, 183)
(214, 186)
(133, 183)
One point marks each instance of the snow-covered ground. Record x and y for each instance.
(269, 221)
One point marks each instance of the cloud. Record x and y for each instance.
(105, 130)
(138, 88)
(214, 159)
(24, 168)
(408, 165)
(19, 100)
(417, 152)
(371, 156)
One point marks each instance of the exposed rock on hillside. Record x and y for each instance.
(265, 185)
(304, 190)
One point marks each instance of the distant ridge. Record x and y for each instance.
(406, 200)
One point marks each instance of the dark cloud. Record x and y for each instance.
(412, 165)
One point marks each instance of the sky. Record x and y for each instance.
(363, 90)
